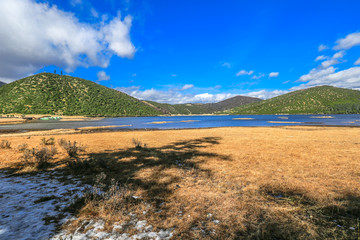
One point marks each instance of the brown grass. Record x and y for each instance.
(225, 183)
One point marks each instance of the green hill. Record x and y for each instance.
(47, 93)
(316, 100)
(207, 108)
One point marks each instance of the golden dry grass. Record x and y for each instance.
(260, 183)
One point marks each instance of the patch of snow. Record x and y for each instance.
(95, 232)
(31, 204)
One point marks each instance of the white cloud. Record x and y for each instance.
(316, 73)
(265, 94)
(348, 42)
(244, 72)
(258, 76)
(357, 62)
(339, 54)
(174, 97)
(274, 74)
(226, 64)
(319, 58)
(187, 86)
(329, 63)
(34, 35)
(75, 3)
(322, 47)
(102, 76)
(348, 78)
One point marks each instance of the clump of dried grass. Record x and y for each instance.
(138, 144)
(48, 141)
(5, 144)
(38, 158)
(72, 148)
(22, 147)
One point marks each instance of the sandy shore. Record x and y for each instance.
(300, 182)
(16, 118)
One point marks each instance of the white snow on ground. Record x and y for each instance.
(93, 230)
(30, 203)
(22, 216)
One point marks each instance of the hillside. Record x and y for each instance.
(2, 83)
(316, 100)
(47, 93)
(207, 108)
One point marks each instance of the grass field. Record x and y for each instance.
(221, 183)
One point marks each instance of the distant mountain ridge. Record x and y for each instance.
(315, 100)
(52, 94)
(206, 108)
(2, 83)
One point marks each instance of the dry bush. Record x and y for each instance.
(72, 149)
(138, 144)
(22, 147)
(38, 158)
(109, 201)
(47, 142)
(87, 166)
(5, 144)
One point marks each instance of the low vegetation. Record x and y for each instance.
(5, 144)
(72, 148)
(37, 158)
(224, 183)
(316, 100)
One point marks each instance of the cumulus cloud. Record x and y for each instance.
(357, 62)
(102, 76)
(348, 42)
(187, 86)
(258, 76)
(320, 58)
(244, 72)
(274, 74)
(34, 35)
(322, 47)
(226, 64)
(173, 97)
(339, 54)
(265, 94)
(329, 63)
(348, 78)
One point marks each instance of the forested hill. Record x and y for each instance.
(47, 93)
(315, 100)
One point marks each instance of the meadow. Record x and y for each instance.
(290, 182)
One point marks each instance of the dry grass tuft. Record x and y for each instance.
(48, 141)
(38, 158)
(5, 144)
(72, 148)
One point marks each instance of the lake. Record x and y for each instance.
(180, 122)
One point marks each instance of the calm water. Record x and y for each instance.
(175, 122)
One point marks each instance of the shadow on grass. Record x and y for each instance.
(124, 165)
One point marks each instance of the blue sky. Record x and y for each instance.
(185, 51)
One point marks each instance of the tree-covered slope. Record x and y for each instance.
(316, 100)
(207, 108)
(47, 93)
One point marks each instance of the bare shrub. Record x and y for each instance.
(38, 158)
(49, 141)
(87, 166)
(5, 144)
(22, 147)
(105, 200)
(72, 149)
(138, 144)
